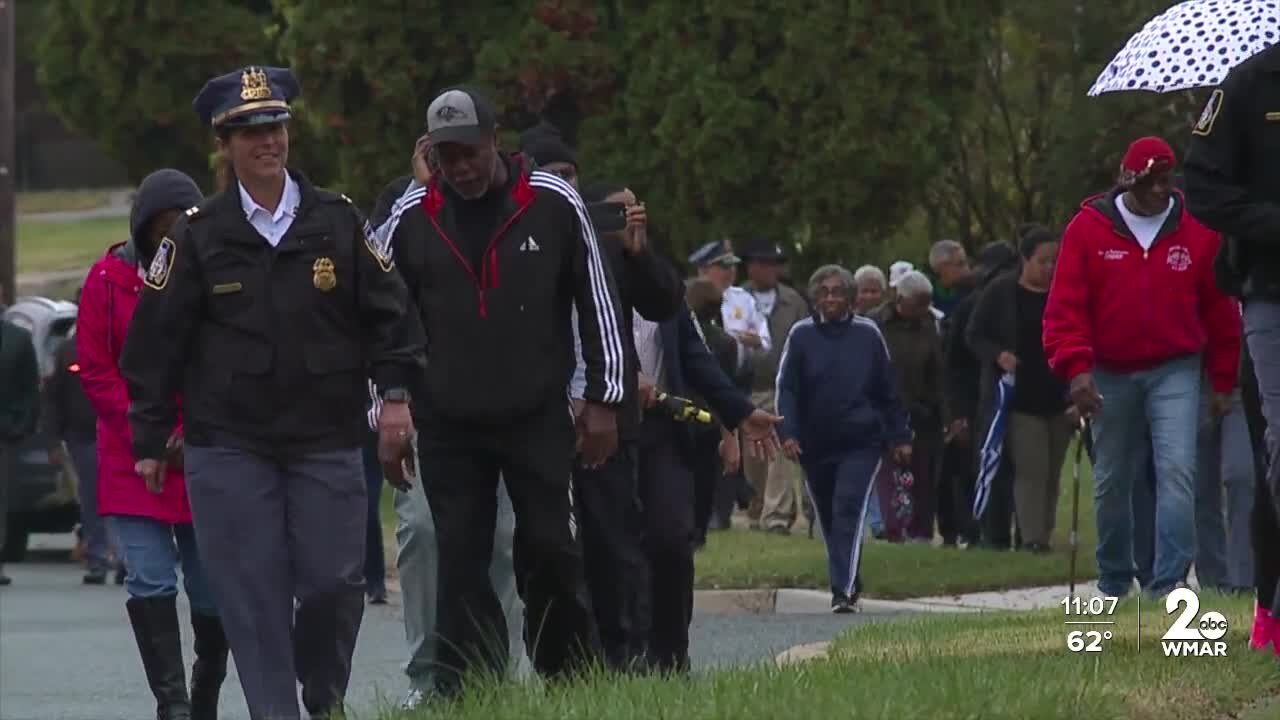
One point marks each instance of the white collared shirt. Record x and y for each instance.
(272, 225)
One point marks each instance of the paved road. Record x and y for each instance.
(66, 652)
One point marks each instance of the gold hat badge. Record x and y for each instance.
(322, 275)
(253, 85)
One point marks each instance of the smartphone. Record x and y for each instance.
(608, 216)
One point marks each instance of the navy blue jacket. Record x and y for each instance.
(836, 389)
(691, 368)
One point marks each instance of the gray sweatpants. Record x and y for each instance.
(416, 563)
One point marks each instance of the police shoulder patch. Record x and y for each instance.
(380, 250)
(157, 276)
(1204, 126)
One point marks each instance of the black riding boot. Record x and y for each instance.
(155, 626)
(210, 667)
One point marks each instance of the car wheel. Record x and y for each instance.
(15, 541)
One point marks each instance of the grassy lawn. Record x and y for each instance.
(44, 201)
(941, 667)
(746, 559)
(741, 559)
(45, 245)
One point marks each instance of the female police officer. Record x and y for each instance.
(266, 308)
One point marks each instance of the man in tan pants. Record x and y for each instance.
(774, 482)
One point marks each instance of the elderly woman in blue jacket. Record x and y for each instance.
(836, 394)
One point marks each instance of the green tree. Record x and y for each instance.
(1037, 144)
(369, 72)
(816, 124)
(124, 72)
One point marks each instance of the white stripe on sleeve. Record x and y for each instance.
(606, 314)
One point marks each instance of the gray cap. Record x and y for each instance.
(460, 115)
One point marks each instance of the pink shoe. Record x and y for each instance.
(1264, 629)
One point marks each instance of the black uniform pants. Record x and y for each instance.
(956, 477)
(535, 458)
(1265, 526)
(667, 498)
(714, 493)
(609, 507)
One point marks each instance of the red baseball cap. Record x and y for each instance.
(1144, 156)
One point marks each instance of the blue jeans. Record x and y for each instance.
(375, 562)
(1224, 556)
(1160, 405)
(152, 552)
(98, 539)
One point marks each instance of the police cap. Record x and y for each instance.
(252, 96)
(716, 252)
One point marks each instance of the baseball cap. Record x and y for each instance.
(460, 115)
(897, 270)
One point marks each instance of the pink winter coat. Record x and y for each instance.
(107, 302)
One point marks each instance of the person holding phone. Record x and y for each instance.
(267, 307)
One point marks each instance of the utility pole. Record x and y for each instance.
(8, 181)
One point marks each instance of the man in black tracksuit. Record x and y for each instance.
(496, 259)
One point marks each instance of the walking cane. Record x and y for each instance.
(1083, 432)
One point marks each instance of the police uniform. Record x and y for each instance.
(738, 307)
(1233, 186)
(267, 323)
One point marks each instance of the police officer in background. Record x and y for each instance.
(1233, 186)
(743, 321)
(267, 308)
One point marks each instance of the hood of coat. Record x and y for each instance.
(1103, 210)
(162, 190)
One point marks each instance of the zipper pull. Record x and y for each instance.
(1145, 253)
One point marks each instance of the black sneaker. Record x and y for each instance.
(841, 604)
(96, 578)
(5, 580)
(378, 596)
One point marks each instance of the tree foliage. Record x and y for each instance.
(1037, 145)
(813, 124)
(125, 71)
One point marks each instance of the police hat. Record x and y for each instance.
(252, 96)
(716, 252)
(762, 250)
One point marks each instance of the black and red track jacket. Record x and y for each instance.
(499, 336)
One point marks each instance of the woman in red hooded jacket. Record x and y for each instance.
(153, 524)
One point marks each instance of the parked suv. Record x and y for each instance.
(43, 497)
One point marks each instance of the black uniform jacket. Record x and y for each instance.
(499, 336)
(1232, 177)
(271, 348)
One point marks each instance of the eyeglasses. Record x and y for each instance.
(822, 291)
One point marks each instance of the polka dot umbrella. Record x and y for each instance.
(1192, 44)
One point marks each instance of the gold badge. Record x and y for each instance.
(322, 275)
(253, 85)
(737, 313)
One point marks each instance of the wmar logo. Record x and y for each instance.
(1189, 637)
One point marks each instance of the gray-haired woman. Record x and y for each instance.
(840, 414)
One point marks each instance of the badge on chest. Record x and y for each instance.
(322, 275)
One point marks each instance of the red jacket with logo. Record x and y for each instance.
(1118, 307)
